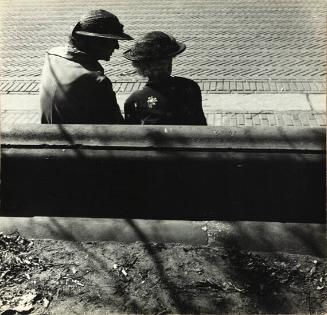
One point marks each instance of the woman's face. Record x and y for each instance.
(103, 49)
(158, 70)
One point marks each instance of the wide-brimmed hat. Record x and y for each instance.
(154, 46)
(100, 23)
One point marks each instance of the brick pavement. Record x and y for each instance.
(221, 118)
(207, 86)
(234, 45)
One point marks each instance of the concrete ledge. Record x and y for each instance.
(164, 172)
(157, 138)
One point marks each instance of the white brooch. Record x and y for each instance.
(152, 101)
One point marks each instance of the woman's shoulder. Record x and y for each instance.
(141, 95)
(186, 83)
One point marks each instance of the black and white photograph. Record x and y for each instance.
(163, 157)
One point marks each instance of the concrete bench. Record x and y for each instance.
(164, 172)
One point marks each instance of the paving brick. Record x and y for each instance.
(280, 86)
(296, 120)
(218, 119)
(293, 86)
(116, 87)
(226, 86)
(220, 86)
(266, 86)
(8, 86)
(213, 86)
(232, 86)
(26, 86)
(142, 85)
(233, 121)
(206, 86)
(304, 120)
(264, 120)
(280, 120)
(314, 87)
(300, 87)
(239, 86)
(313, 123)
(36, 87)
(321, 119)
(226, 120)
(3, 85)
(256, 119)
(259, 86)
(253, 86)
(136, 86)
(288, 120)
(122, 88)
(248, 119)
(272, 119)
(286, 87)
(240, 119)
(129, 87)
(246, 86)
(273, 86)
(306, 86)
(210, 119)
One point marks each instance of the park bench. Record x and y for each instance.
(164, 172)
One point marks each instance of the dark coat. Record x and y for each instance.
(74, 90)
(176, 102)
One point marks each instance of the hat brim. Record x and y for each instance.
(122, 36)
(128, 54)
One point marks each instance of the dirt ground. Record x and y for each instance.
(63, 277)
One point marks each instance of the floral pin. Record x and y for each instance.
(152, 101)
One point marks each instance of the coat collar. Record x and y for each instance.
(71, 53)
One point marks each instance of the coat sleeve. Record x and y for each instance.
(197, 117)
(106, 109)
(131, 113)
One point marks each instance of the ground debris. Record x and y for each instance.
(14, 242)
(132, 277)
(17, 266)
(262, 274)
(16, 262)
(19, 304)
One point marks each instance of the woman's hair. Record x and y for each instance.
(145, 67)
(141, 67)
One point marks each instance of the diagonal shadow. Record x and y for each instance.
(179, 304)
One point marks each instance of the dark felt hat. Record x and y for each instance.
(154, 46)
(100, 23)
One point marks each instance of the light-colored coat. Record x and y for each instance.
(74, 90)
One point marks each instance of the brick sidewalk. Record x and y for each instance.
(206, 86)
(241, 119)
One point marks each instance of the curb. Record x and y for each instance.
(297, 238)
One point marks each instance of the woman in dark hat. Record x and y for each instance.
(165, 100)
(74, 89)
